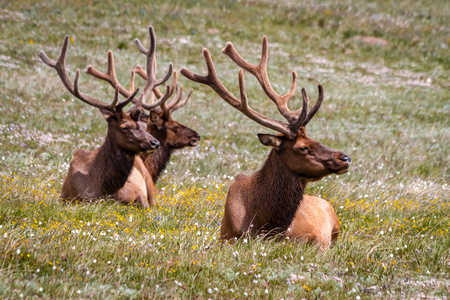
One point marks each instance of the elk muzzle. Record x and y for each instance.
(194, 140)
(151, 146)
(343, 162)
(345, 158)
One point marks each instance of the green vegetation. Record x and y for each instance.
(387, 106)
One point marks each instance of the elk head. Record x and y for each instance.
(306, 157)
(301, 155)
(159, 120)
(123, 127)
(126, 130)
(160, 123)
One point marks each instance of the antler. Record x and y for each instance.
(151, 70)
(110, 76)
(295, 119)
(73, 88)
(151, 82)
(175, 104)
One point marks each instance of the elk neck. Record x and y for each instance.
(280, 193)
(113, 165)
(156, 162)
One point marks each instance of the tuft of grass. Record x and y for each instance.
(385, 105)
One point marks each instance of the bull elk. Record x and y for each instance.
(171, 134)
(105, 170)
(272, 200)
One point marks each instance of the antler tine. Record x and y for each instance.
(156, 90)
(133, 75)
(150, 85)
(183, 102)
(110, 76)
(149, 106)
(179, 93)
(60, 68)
(173, 86)
(166, 108)
(316, 106)
(175, 104)
(150, 70)
(141, 72)
(116, 98)
(260, 72)
(212, 80)
(122, 104)
(299, 121)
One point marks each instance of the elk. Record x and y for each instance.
(171, 134)
(105, 170)
(272, 200)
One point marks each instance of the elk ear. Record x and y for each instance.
(156, 118)
(269, 140)
(135, 113)
(143, 117)
(107, 114)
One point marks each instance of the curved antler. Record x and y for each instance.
(73, 88)
(212, 80)
(110, 76)
(150, 71)
(295, 119)
(260, 72)
(316, 106)
(151, 82)
(175, 104)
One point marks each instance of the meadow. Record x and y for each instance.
(384, 66)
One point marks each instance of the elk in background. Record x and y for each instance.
(105, 170)
(271, 200)
(171, 134)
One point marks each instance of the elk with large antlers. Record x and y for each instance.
(105, 170)
(271, 201)
(171, 134)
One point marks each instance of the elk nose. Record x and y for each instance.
(154, 144)
(345, 158)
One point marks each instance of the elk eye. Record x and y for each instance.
(176, 128)
(303, 149)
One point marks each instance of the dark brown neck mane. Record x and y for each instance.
(280, 193)
(156, 162)
(112, 166)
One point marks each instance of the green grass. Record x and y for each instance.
(386, 106)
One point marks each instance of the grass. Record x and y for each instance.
(386, 106)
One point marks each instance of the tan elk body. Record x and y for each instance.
(104, 171)
(272, 200)
(171, 134)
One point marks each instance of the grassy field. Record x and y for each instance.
(386, 105)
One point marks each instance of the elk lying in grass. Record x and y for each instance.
(171, 134)
(272, 199)
(105, 170)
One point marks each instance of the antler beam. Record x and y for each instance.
(151, 82)
(73, 88)
(295, 119)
